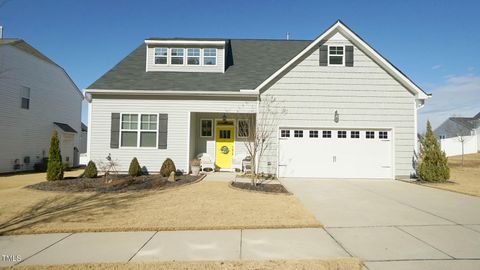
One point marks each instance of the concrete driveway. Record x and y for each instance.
(396, 225)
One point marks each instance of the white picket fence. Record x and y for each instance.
(453, 146)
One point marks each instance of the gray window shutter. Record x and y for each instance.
(324, 55)
(162, 131)
(349, 56)
(115, 130)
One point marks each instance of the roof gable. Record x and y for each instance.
(340, 27)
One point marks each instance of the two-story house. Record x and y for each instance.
(37, 97)
(343, 110)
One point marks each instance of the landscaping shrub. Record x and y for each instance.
(432, 164)
(91, 170)
(41, 166)
(66, 166)
(134, 169)
(55, 165)
(167, 167)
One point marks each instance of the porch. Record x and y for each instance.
(222, 137)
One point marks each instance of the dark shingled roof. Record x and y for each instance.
(25, 47)
(65, 127)
(251, 62)
(84, 127)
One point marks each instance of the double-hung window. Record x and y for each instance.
(25, 98)
(193, 56)
(139, 130)
(336, 55)
(210, 56)
(206, 127)
(243, 128)
(177, 55)
(161, 55)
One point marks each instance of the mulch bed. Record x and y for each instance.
(117, 183)
(269, 188)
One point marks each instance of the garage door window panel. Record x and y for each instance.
(355, 134)
(313, 133)
(285, 133)
(370, 134)
(341, 134)
(383, 135)
(298, 133)
(326, 134)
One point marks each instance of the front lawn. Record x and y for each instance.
(198, 206)
(464, 179)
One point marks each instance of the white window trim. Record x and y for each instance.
(171, 57)
(155, 56)
(343, 56)
(203, 57)
(138, 130)
(212, 131)
(199, 57)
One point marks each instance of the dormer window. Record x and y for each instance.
(209, 56)
(161, 56)
(177, 56)
(335, 55)
(193, 56)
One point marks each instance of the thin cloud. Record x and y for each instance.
(458, 95)
(437, 67)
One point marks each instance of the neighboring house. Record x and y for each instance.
(348, 112)
(456, 133)
(83, 139)
(37, 97)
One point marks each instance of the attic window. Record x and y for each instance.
(335, 55)
(193, 56)
(209, 56)
(177, 56)
(161, 56)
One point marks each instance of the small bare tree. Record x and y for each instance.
(259, 139)
(108, 168)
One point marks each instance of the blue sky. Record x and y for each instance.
(436, 43)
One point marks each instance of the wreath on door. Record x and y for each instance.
(224, 149)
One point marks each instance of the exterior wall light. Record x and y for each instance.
(336, 117)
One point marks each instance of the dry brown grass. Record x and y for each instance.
(200, 206)
(331, 264)
(464, 179)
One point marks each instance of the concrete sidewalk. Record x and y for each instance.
(62, 248)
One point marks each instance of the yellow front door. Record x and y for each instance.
(224, 146)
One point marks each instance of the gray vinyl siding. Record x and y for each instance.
(151, 66)
(179, 111)
(364, 95)
(53, 98)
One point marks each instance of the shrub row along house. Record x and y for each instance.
(343, 110)
(37, 97)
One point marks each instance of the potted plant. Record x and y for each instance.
(195, 165)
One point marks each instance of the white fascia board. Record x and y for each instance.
(185, 42)
(419, 93)
(241, 93)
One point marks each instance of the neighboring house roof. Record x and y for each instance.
(25, 47)
(461, 125)
(84, 127)
(251, 62)
(65, 127)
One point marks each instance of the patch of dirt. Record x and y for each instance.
(117, 183)
(269, 188)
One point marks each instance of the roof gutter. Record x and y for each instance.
(241, 93)
(185, 42)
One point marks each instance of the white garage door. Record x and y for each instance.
(327, 153)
